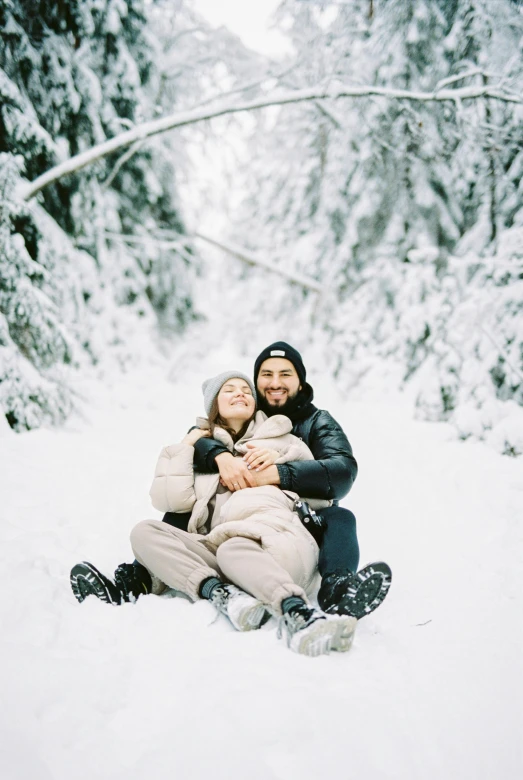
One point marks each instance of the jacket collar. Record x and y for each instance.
(260, 427)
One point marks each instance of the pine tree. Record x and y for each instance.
(484, 38)
(72, 75)
(397, 207)
(32, 337)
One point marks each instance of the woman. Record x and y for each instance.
(247, 552)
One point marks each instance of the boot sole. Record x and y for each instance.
(324, 635)
(375, 581)
(346, 628)
(86, 581)
(371, 586)
(250, 617)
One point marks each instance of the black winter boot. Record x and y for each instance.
(86, 580)
(132, 580)
(357, 594)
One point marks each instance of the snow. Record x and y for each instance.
(432, 687)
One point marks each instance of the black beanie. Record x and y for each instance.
(280, 349)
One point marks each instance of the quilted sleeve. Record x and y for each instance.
(172, 489)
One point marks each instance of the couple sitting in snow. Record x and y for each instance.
(235, 530)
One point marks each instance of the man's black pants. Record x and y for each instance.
(339, 549)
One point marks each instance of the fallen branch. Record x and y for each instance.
(176, 241)
(250, 259)
(157, 126)
(176, 244)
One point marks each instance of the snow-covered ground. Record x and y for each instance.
(432, 688)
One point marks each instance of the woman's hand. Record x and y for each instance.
(260, 458)
(234, 474)
(193, 436)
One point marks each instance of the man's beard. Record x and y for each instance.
(287, 408)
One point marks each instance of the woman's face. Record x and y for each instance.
(235, 401)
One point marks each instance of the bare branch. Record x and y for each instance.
(250, 259)
(504, 354)
(189, 31)
(174, 240)
(157, 126)
(175, 245)
(252, 84)
(123, 159)
(327, 113)
(146, 240)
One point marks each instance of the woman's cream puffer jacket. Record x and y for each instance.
(176, 488)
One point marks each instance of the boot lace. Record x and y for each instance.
(296, 619)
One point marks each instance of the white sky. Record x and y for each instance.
(250, 20)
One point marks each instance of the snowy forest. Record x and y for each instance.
(173, 199)
(367, 202)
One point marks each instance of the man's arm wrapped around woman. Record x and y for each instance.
(332, 472)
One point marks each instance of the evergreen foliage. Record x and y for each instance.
(74, 74)
(410, 214)
(404, 210)
(32, 336)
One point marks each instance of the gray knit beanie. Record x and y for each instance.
(211, 387)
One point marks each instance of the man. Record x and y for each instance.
(280, 378)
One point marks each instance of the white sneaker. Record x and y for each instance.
(312, 632)
(244, 611)
(345, 630)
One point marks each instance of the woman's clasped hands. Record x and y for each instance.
(260, 458)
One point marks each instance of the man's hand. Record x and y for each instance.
(192, 437)
(234, 473)
(269, 476)
(260, 458)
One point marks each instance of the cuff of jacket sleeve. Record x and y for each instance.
(285, 476)
(211, 455)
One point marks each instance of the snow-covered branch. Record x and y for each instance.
(250, 259)
(176, 241)
(144, 240)
(182, 119)
(467, 74)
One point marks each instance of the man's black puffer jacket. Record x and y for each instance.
(332, 472)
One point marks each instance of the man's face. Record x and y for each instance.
(278, 381)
